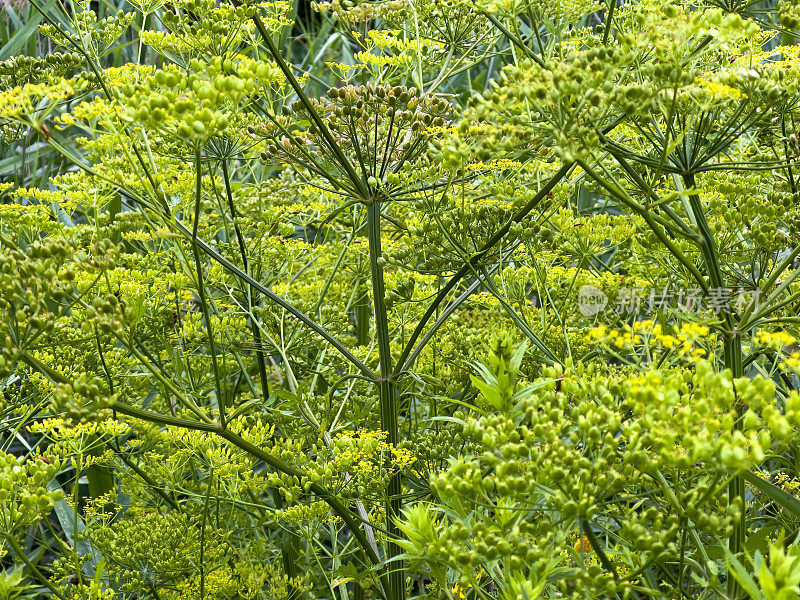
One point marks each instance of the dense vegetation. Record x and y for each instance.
(464, 299)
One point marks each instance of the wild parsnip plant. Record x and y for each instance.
(402, 299)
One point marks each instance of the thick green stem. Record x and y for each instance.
(387, 392)
(707, 246)
(362, 307)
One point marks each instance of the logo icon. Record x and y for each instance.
(591, 300)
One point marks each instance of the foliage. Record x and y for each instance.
(399, 299)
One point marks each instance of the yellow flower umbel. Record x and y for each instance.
(718, 90)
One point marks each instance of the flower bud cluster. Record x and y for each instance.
(34, 285)
(355, 465)
(359, 11)
(185, 106)
(100, 34)
(24, 495)
(780, 577)
(469, 215)
(200, 28)
(550, 12)
(18, 104)
(769, 218)
(570, 99)
(381, 129)
(789, 14)
(149, 548)
(578, 438)
(197, 106)
(83, 401)
(20, 70)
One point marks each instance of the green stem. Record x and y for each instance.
(362, 315)
(609, 18)
(152, 484)
(227, 265)
(201, 287)
(44, 369)
(271, 461)
(302, 317)
(330, 498)
(203, 522)
(387, 392)
(34, 569)
(736, 487)
(707, 246)
(344, 163)
(288, 550)
(474, 261)
(518, 42)
(586, 529)
(252, 297)
(153, 417)
(662, 234)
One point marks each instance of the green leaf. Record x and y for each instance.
(742, 576)
(10, 164)
(14, 45)
(516, 359)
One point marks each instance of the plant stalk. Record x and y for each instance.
(252, 296)
(202, 291)
(387, 389)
